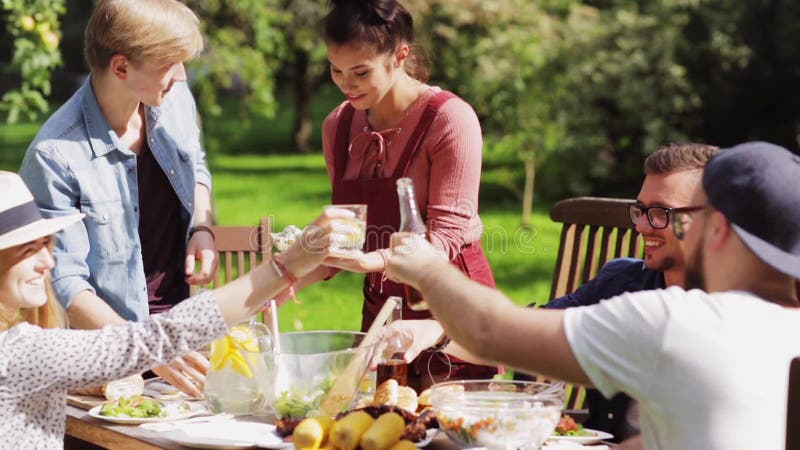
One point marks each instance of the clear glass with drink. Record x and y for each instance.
(411, 222)
(350, 233)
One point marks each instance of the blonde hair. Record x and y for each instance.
(164, 31)
(49, 315)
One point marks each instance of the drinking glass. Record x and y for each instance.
(350, 233)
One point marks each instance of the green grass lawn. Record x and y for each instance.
(292, 189)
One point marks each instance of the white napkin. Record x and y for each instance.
(226, 433)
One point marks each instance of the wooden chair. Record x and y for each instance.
(240, 249)
(595, 230)
(793, 410)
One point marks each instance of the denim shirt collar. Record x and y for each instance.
(101, 137)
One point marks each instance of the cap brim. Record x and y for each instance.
(38, 229)
(774, 257)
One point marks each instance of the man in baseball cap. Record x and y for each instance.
(708, 368)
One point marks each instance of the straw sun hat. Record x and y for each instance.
(20, 219)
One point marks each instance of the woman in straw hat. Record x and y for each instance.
(38, 366)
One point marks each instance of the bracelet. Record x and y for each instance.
(441, 344)
(197, 228)
(282, 272)
(383, 252)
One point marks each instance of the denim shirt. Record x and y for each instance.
(76, 163)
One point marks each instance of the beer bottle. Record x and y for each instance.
(410, 221)
(392, 363)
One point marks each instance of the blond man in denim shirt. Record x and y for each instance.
(125, 150)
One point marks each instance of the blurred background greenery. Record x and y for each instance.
(572, 96)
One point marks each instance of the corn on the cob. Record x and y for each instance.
(312, 432)
(346, 433)
(384, 433)
(404, 444)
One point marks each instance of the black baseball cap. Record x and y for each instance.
(756, 186)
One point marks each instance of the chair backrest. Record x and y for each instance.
(596, 230)
(240, 248)
(793, 410)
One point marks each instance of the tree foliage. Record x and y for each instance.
(580, 91)
(34, 27)
(245, 50)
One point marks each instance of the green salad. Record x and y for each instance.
(135, 406)
(299, 403)
(567, 426)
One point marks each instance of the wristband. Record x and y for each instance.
(197, 228)
(282, 272)
(440, 345)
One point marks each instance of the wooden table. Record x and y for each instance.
(130, 437)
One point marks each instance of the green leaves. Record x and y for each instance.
(34, 25)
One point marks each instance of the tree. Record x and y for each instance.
(307, 61)
(34, 26)
(244, 51)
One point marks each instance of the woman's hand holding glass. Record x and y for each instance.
(316, 244)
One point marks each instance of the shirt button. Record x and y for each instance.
(152, 140)
(105, 217)
(190, 204)
(172, 171)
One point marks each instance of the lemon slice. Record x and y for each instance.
(227, 351)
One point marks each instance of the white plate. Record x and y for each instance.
(596, 437)
(230, 434)
(430, 433)
(194, 409)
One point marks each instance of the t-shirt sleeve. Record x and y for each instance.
(618, 342)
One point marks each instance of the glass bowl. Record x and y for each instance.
(498, 414)
(307, 367)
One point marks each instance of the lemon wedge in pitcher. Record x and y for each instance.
(227, 350)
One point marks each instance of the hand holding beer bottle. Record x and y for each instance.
(411, 222)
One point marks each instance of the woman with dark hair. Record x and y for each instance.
(394, 125)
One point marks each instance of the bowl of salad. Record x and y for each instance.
(307, 366)
(568, 429)
(498, 414)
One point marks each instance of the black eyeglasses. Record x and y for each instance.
(680, 218)
(657, 216)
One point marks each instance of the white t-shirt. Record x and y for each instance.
(710, 371)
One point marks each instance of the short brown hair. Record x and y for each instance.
(383, 24)
(675, 157)
(164, 31)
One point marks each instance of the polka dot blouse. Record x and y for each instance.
(38, 367)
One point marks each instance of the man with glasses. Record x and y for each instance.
(708, 369)
(671, 174)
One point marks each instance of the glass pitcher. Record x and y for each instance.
(236, 378)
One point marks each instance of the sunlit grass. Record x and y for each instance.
(291, 189)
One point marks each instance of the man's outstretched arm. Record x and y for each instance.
(481, 319)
